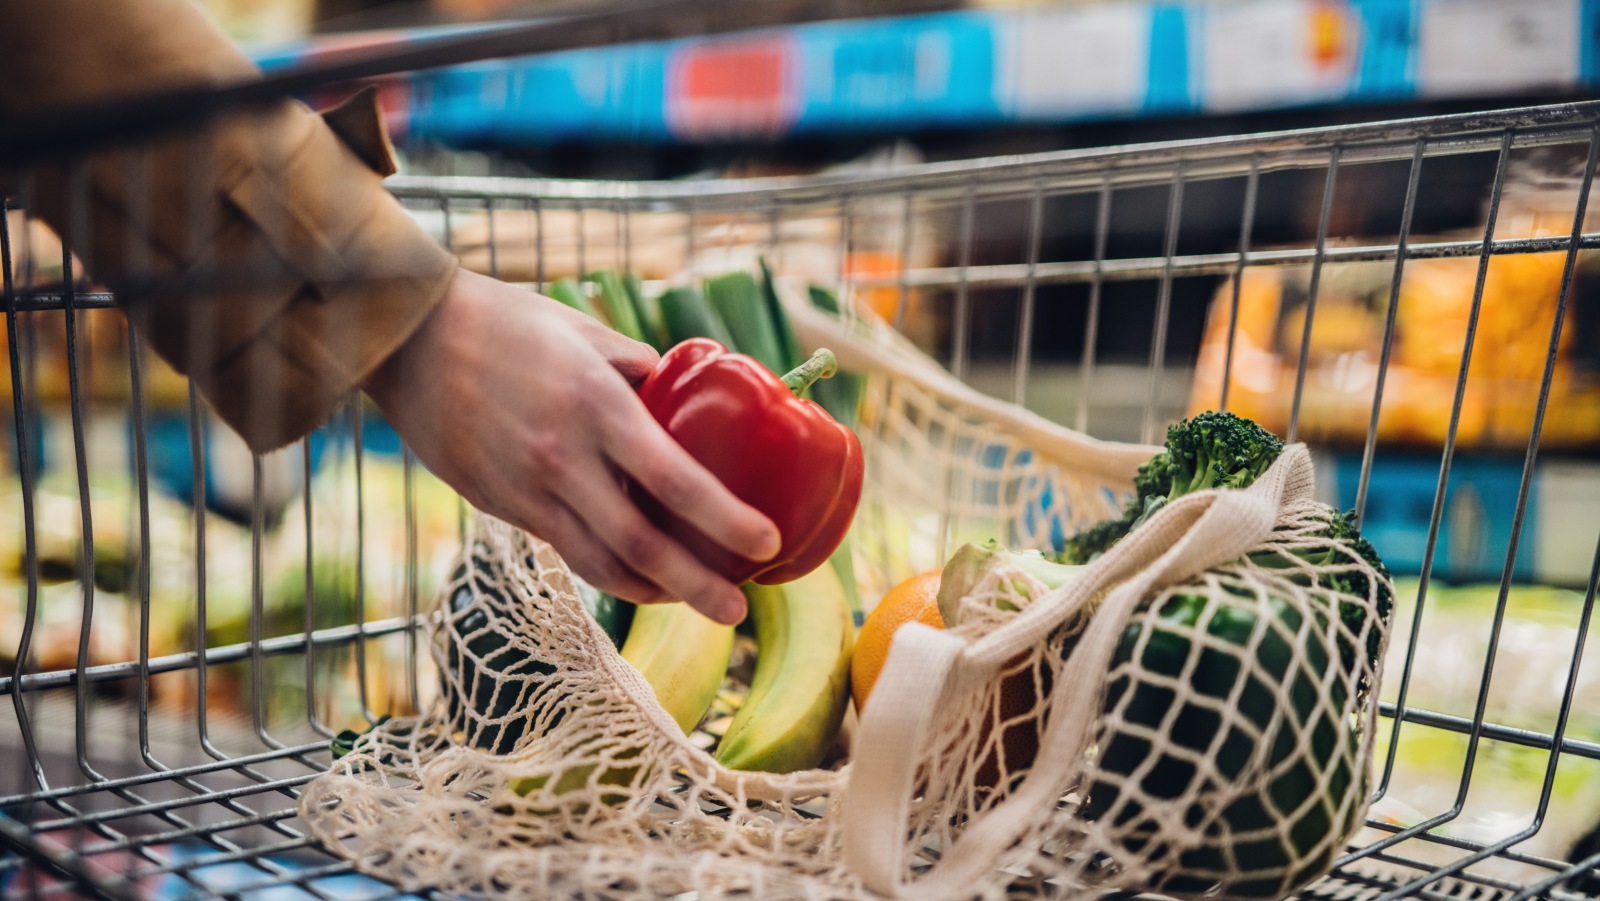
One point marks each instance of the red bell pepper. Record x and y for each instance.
(777, 452)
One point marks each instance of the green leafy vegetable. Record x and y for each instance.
(840, 395)
(1212, 450)
(788, 345)
(685, 314)
(618, 306)
(738, 301)
(571, 293)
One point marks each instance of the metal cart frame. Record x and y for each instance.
(70, 822)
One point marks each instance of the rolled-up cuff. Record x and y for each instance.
(337, 277)
(291, 378)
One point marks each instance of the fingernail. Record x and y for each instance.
(731, 613)
(771, 543)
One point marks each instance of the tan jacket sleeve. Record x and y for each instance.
(260, 256)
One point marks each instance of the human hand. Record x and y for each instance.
(524, 406)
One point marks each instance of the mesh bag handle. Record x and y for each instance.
(872, 346)
(929, 669)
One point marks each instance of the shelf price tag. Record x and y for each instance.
(1264, 53)
(739, 87)
(1065, 62)
(1468, 47)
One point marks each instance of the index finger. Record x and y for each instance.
(642, 448)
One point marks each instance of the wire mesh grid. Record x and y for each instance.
(1109, 289)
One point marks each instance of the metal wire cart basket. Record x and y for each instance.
(185, 626)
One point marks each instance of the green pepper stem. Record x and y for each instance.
(822, 365)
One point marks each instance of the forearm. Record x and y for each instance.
(260, 256)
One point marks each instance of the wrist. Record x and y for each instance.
(389, 379)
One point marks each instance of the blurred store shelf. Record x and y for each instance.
(1013, 65)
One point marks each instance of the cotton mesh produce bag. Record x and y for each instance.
(1181, 717)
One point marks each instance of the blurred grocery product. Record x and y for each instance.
(1531, 661)
(36, 257)
(1520, 298)
(385, 589)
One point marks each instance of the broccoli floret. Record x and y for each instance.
(1343, 528)
(1221, 450)
(1212, 450)
(1217, 450)
(1152, 479)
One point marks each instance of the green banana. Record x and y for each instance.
(805, 632)
(683, 656)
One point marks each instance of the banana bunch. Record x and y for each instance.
(805, 633)
(682, 655)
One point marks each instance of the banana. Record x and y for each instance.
(801, 688)
(683, 656)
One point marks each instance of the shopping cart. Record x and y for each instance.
(167, 764)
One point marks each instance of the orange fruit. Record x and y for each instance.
(916, 600)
